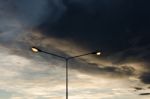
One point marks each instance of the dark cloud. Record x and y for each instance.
(133, 54)
(110, 26)
(145, 78)
(144, 94)
(95, 69)
(119, 28)
(20, 16)
(138, 88)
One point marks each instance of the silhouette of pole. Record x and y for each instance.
(67, 77)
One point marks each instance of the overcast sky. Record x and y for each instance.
(117, 28)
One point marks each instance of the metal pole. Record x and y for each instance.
(35, 49)
(66, 78)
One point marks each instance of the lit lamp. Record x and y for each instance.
(98, 53)
(34, 49)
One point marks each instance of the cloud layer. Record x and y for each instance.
(53, 26)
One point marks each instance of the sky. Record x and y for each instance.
(119, 29)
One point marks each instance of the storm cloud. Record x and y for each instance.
(145, 77)
(119, 29)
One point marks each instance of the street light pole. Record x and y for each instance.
(36, 50)
(67, 78)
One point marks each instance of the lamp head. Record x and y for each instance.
(97, 53)
(35, 50)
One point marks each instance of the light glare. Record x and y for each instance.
(98, 53)
(35, 50)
